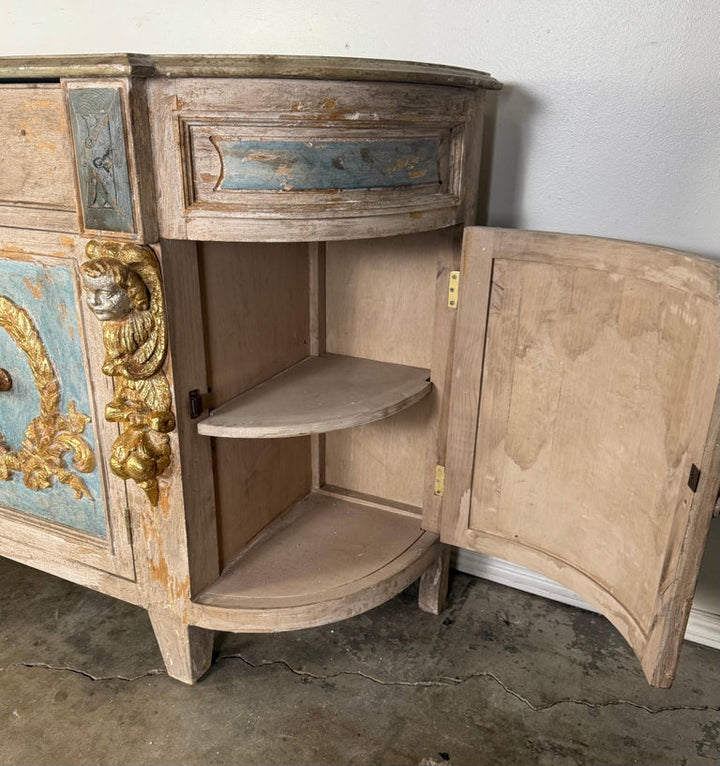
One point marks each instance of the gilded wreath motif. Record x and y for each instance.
(124, 290)
(52, 434)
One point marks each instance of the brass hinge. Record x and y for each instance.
(439, 480)
(453, 290)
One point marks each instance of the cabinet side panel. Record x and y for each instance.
(256, 316)
(380, 305)
(255, 481)
(187, 368)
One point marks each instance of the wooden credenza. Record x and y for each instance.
(259, 369)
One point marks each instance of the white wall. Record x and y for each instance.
(608, 123)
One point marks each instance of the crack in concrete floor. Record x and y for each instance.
(437, 682)
(456, 681)
(84, 673)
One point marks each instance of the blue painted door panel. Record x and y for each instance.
(36, 295)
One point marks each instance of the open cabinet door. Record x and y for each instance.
(583, 424)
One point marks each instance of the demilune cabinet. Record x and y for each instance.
(259, 369)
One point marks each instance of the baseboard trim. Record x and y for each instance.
(703, 627)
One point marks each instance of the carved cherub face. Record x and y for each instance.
(105, 297)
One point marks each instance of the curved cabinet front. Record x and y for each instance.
(298, 160)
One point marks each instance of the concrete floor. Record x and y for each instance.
(501, 677)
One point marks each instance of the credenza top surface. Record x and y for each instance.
(33, 68)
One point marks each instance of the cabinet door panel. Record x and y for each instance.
(582, 410)
(56, 499)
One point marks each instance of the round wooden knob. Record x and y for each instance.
(5, 380)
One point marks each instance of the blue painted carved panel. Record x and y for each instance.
(102, 166)
(307, 165)
(48, 464)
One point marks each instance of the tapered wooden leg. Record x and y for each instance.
(434, 583)
(186, 649)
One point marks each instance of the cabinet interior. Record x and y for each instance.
(267, 307)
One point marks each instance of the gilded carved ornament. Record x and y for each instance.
(123, 286)
(49, 436)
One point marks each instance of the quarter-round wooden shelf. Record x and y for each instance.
(327, 558)
(320, 394)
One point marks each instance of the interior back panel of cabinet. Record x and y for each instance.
(256, 306)
(380, 301)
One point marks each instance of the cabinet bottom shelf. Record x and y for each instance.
(326, 559)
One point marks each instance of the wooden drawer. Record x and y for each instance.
(37, 176)
(70, 162)
(284, 159)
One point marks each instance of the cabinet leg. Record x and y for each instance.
(434, 583)
(186, 649)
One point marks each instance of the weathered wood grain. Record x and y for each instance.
(326, 559)
(321, 393)
(323, 68)
(592, 382)
(37, 188)
(33, 68)
(190, 65)
(261, 292)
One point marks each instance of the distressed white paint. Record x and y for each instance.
(607, 124)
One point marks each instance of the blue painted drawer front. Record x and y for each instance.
(306, 166)
(43, 296)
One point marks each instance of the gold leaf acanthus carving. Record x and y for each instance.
(52, 434)
(124, 290)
